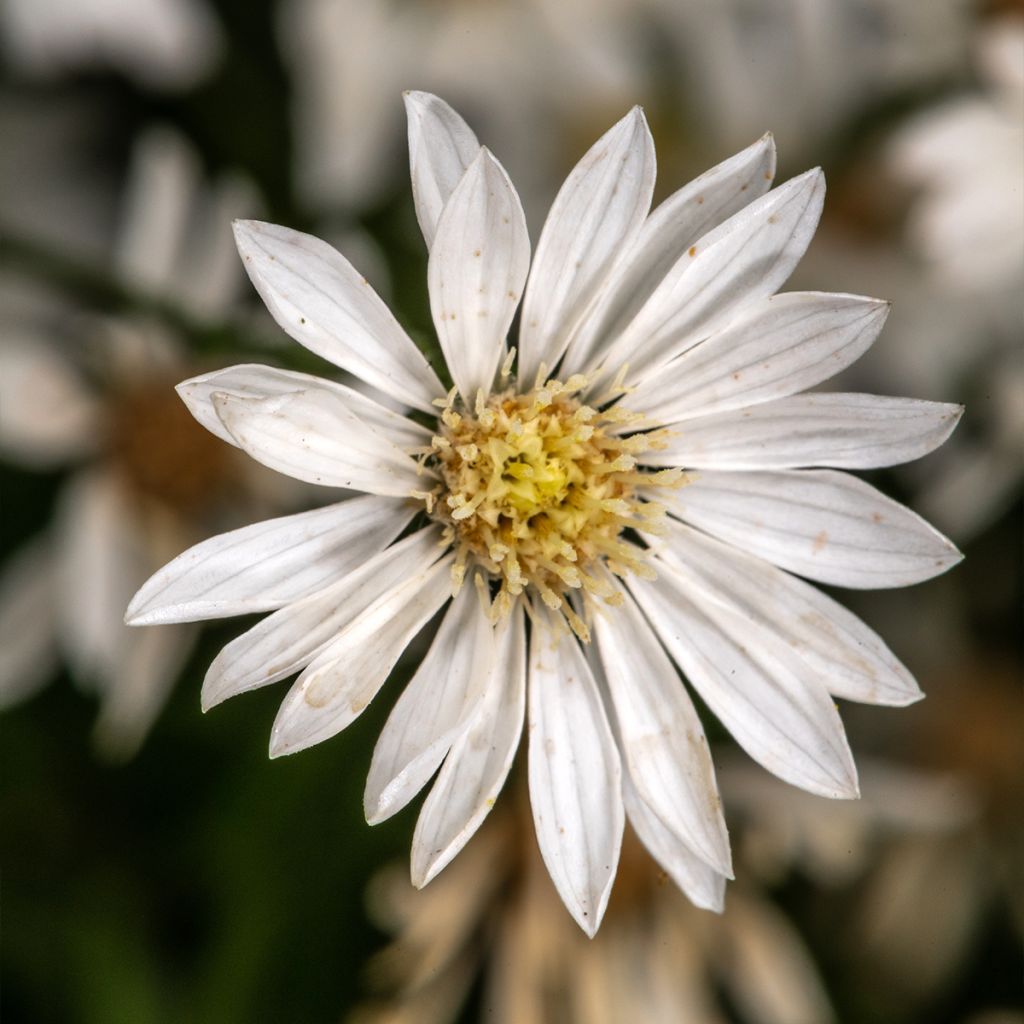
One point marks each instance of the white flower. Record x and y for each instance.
(811, 66)
(165, 44)
(491, 918)
(143, 479)
(968, 157)
(516, 61)
(648, 345)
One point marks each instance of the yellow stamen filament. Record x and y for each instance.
(536, 490)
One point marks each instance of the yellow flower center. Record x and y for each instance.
(536, 489)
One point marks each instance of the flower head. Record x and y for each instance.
(619, 494)
(143, 480)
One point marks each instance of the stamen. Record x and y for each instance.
(536, 491)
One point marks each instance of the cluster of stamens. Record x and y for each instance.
(536, 489)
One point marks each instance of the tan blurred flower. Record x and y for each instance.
(95, 396)
(657, 958)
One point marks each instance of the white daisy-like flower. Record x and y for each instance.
(490, 921)
(163, 44)
(628, 502)
(967, 157)
(519, 63)
(812, 66)
(142, 480)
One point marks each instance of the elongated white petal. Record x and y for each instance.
(269, 564)
(289, 639)
(575, 775)
(596, 214)
(475, 275)
(747, 258)
(668, 232)
(441, 147)
(48, 416)
(849, 658)
(704, 887)
(28, 633)
(850, 431)
(774, 347)
(772, 976)
(660, 736)
(149, 660)
(99, 558)
(433, 709)
(320, 300)
(312, 435)
(255, 381)
(767, 697)
(822, 524)
(478, 763)
(336, 688)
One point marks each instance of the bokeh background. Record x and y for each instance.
(158, 867)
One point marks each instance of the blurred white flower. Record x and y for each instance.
(52, 189)
(97, 402)
(164, 44)
(804, 67)
(523, 67)
(966, 158)
(529, 496)
(656, 959)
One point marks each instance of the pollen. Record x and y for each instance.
(537, 489)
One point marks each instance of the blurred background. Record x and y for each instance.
(157, 866)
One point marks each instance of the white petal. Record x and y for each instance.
(269, 564)
(441, 147)
(773, 348)
(703, 886)
(822, 524)
(574, 773)
(98, 564)
(771, 975)
(48, 416)
(28, 642)
(320, 300)
(660, 736)
(433, 709)
(849, 658)
(148, 664)
(312, 435)
(289, 639)
(747, 258)
(475, 274)
(596, 214)
(769, 699)
(668, 232)
(851, 431)
(478, 763)
(336, 688)
(255, 381)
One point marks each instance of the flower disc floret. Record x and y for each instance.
(537, 488)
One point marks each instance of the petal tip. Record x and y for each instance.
(209, 698)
